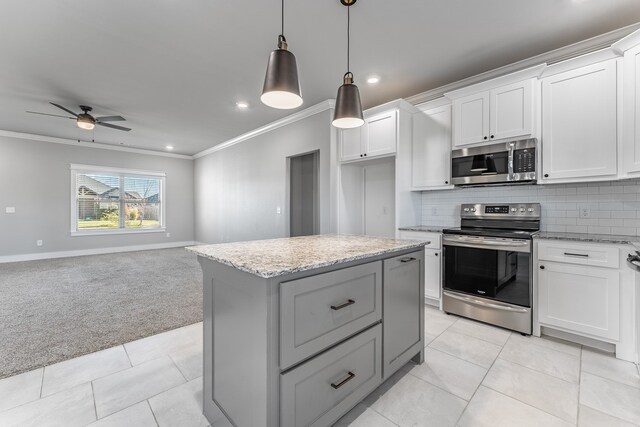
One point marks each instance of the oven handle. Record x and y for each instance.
(510, 245)
(510, 163)
(496, 305)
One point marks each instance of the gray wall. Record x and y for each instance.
(35, 178)
(238, 189)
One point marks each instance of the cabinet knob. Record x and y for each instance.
(446, 182)
(485, 137)
(546, 175)
(542, 267)
(360, 155)
(491, 136)
(365, 154)
(436, 254)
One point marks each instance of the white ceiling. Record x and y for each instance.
(176, 68)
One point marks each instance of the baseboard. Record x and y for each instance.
(96, 251)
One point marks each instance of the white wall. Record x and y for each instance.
(614, 206)
(35, 179)
(239, 189)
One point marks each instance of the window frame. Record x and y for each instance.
(79, 169)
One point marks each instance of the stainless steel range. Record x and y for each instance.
(488, 266)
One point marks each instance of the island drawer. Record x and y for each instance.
(320, 391)
(319, 311)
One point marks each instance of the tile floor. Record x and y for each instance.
(474, 375)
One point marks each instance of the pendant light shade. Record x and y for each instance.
(479, 163)
(348, 109)
(281, 87)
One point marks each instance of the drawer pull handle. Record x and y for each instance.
(343, 305)
(407, 259)
(579, 255)
(349, 377)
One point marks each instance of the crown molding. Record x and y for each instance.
(626, 43)
(308, 112)
(593, 44)
(94, 145)
(518, 76)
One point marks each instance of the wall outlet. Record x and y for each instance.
(38, 242)
(585, 212)
(168, 234)
(10, 210)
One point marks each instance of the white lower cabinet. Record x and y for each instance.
(432, 262)
(580, 299)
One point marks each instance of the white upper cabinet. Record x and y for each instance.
(431, 149)
(471, 119)
(580, 124)
(499, 113)
(377, 137)
(631, 117)
(511, 110)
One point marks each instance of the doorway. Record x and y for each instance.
(303, 195)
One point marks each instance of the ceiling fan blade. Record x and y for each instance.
(113, 126)
(65, 109)
(110, 119)
(52, 115)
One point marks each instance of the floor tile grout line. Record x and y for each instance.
(612, 416)
(127, 353)
(605, 378)
(178, 368)
(383, 416)
(93, 397)
(481, 381)
(41, 383)
(529, 405)
(153, 413)
(541, 372)
(549, 348)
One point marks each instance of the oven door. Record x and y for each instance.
(479, 166)
(495, 268)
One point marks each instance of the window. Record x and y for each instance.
(111, 201)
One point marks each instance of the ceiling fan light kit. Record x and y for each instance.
(348, 109)
(281, 87)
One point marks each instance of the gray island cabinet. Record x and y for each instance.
(297, 331)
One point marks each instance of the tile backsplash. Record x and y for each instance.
(598, 207)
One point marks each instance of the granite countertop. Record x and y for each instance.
(586, 237)
(275, 257)
(425, 228)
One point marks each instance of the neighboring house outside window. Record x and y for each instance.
(114, 201)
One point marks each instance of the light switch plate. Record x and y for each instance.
(10, 209)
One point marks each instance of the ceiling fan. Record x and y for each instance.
(85, 120)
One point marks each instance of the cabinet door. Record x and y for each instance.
(380, 134)
(471, 119)
(580, 299)
(350, 144)
(402, 308)
(511, 110)
(631, 111)
(431, 149)
(432, 277)
(579, 123)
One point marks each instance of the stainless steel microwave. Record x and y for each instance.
(511, 162)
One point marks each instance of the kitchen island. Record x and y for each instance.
(298, 330)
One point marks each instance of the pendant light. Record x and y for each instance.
(281, 87)
(348, 109)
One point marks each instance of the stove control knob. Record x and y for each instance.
(514, 210)
(473, 209)
(521, 209)
(466, 209)
(530, 210)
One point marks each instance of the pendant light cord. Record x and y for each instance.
(282, 20)
(348, 36)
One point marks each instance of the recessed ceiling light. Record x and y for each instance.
(373, 80)
(242, 105)
(169, 147)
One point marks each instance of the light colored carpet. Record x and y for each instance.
(53, 310)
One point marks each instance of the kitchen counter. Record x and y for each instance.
(425, 228)
(586, 237)
(277, 257)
